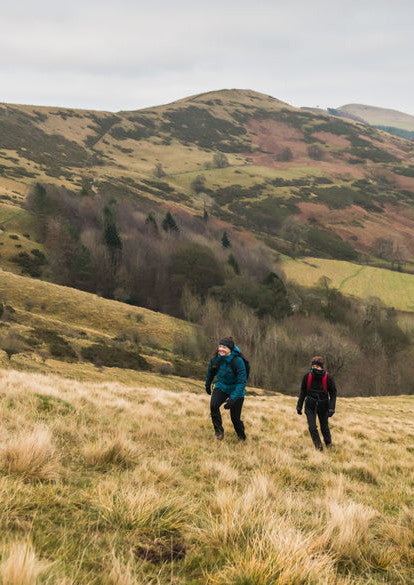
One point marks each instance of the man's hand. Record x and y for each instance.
(331, 412)
(299, 410)
(229, 403)
(208, 390)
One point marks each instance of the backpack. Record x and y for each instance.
(233, 366)
(324, 382)
(246, 365)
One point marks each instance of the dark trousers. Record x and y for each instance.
(313, 409)
(218, 397)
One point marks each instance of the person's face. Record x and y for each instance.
(315, 367)
(223, 350)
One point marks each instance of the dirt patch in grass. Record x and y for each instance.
(161, 552)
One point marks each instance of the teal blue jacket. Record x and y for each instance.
(227, 381)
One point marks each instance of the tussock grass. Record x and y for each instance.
(21, 566)
(120, 484)
(31, 455)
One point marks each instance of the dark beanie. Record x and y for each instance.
(227, 342)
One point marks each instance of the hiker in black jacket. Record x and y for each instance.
(318, 391)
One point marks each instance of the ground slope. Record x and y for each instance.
(279, 158)
(111, 483)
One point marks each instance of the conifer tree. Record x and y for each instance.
(169, 223)
(151, 221)
(225, 241)
(111, 235)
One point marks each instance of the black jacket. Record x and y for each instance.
(316, 390)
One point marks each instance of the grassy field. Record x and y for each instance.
(395, 289)
(124, 484)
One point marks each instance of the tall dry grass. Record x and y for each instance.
(127, 485)
(31, 454)
(20, 565)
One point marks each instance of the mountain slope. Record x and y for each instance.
(391, 121)
(279, 162)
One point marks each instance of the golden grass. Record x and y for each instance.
(21, 566)
(30, 454)
(55, 306)
(145, 494)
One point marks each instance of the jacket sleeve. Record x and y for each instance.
(302, 394)
(211, 372)
(241, 379)
(332, 392)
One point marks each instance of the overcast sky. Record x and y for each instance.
(129, 54)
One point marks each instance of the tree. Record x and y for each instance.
(220, 160)
(315, 152)
(169, 224)
(152, 222)
(194, 266)
(285, 156)
(198, 183)
(111, 235)
(159, 171)
(225, 242)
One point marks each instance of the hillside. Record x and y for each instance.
(104, 484)
(380, 117)
(275, 162)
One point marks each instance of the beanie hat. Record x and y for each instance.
(317, 361)
(227, 342)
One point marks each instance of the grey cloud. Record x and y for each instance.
(132, 54)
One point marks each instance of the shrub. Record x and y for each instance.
(58, 346)
(114, 357)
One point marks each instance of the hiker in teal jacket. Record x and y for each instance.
(230, 386)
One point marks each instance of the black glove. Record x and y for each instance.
(208, 390)
(331, 412)
(229, 403)
(298, 410)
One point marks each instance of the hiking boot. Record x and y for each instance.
(242, 438)
(220, 436)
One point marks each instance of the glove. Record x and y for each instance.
(331, 412)
(299, 410)
(229, 403)
(208, 390)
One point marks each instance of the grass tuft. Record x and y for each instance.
(31, 455)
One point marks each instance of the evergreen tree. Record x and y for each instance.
(225, 242)
(83, 268)
(111, 235)
(169, 224)
(151, 221)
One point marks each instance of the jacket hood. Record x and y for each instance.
(234, 353)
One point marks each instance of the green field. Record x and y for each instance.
(394, 289)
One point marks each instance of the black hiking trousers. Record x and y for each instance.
(218, 397)
(318, 408)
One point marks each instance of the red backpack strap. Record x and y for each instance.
(309, 381)
(325, 382)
